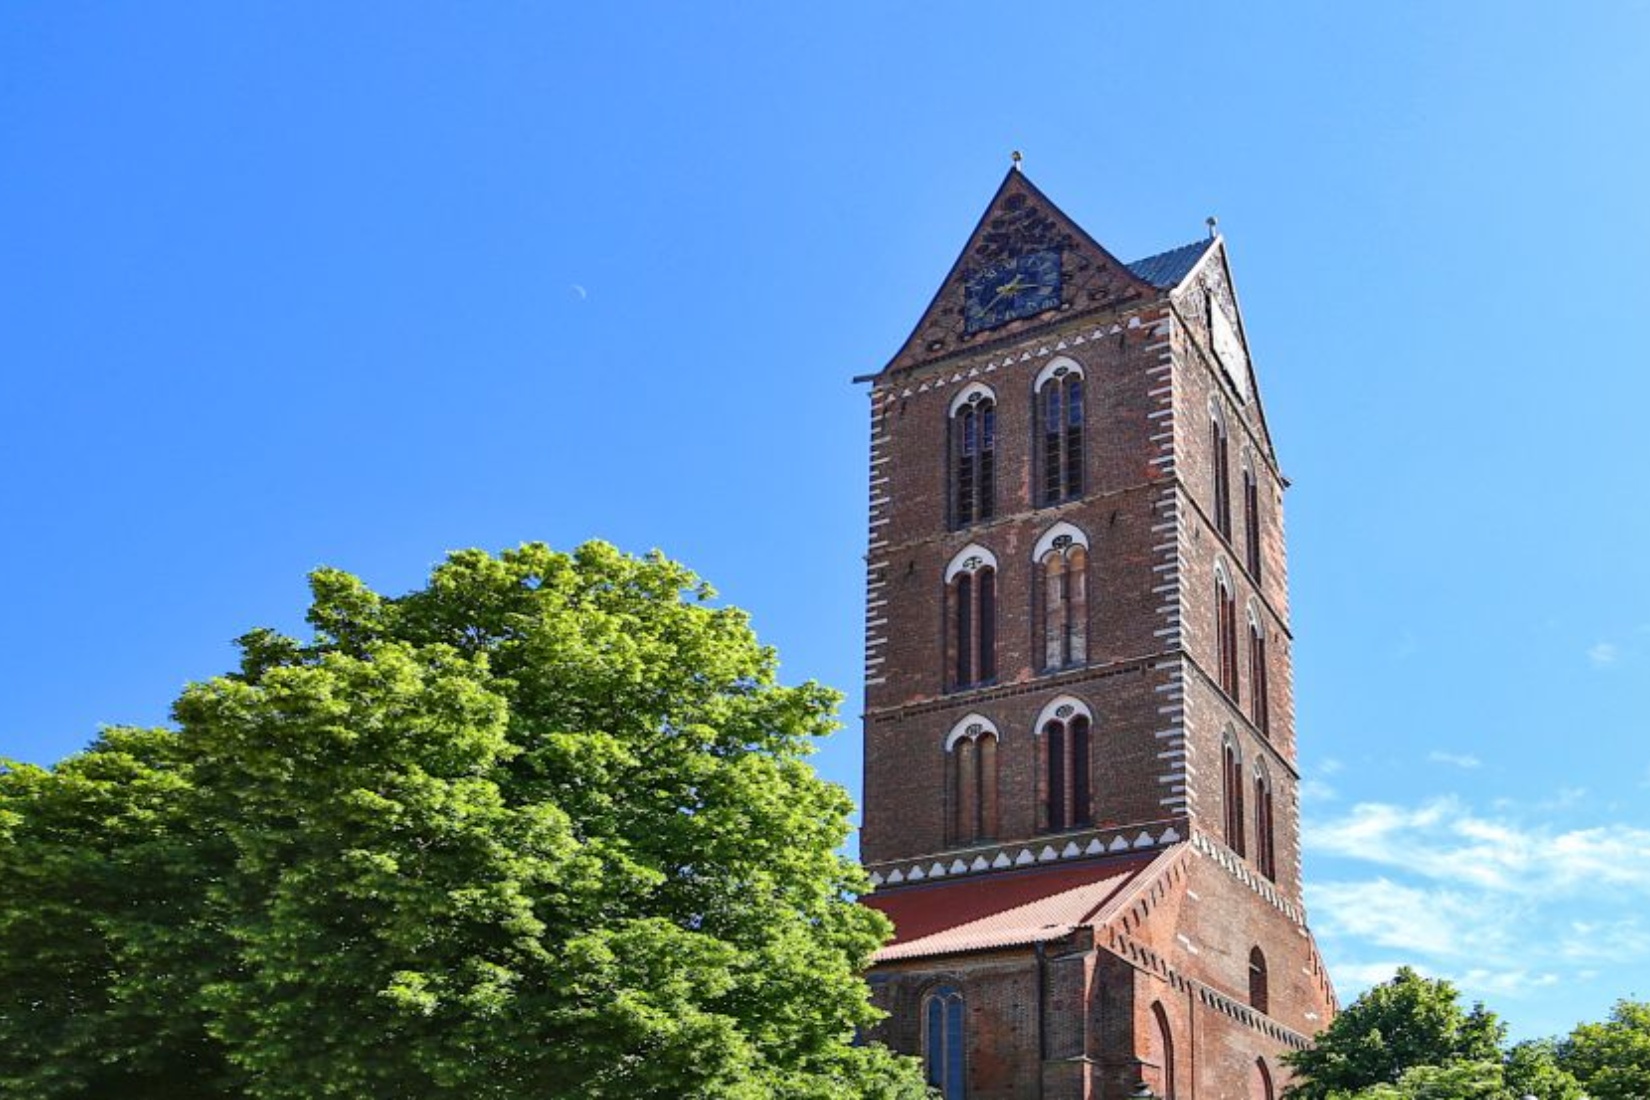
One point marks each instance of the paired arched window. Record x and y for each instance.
(973, 455)
(1064, 729)
(1260, 704)
(1258, 998)
(1231, 775)
(1222, 472)
(972, 747)
(1062, 559)
(942, 1047)
(1159, 1068)
(1266, 856)
(1251, 520)
(1226, 632)
(1059, 405)
(971, 613)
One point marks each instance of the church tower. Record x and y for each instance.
(1081, 804)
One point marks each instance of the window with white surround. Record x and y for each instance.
(1063, 731)
(971, 617)
(972, 749)
(973, 451)
(1062, 560)
(1058, 393)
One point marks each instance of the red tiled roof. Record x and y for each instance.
(1002, 910)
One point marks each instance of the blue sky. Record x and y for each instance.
(357, 284)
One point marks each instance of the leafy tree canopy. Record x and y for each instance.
(1410, 1039)
(1399, 1025)
(541, 828)
(1612, 1059)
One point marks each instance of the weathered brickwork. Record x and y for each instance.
(971, 792)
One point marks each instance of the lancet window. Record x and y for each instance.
(1059, 405)
(973, 455)
(971, 614)
(1062, 557)
(1064, 730)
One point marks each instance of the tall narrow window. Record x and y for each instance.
(1266, 855)
(943, 1041)
(1258, 999)
(1232, 795)
(1065, 727)
(1060, 437)
(972, 745)
(1260, 1081)
(1160, 1054)
(1251, 523)
(1062, 560)
(1226, 634)
(973, 456)
(1222, 477)
(1260, 709)
(971, 612)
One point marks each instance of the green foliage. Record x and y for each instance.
(1409, 1039)
(542, 828)
(1399, 1025)
(1611, 1059)
(1459, 1081)
(1532, 1069)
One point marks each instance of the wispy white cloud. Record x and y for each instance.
(1330, 766)
(1445, 841)
(1459, 759)
(1384, 913)
(1313, 789)
(1502, 905)
(1604, 654)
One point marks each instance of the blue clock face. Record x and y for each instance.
(1012, 289)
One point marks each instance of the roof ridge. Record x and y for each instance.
(1165, 269)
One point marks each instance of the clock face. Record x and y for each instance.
(1012, 289)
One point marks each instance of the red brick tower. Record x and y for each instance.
(1081, 795)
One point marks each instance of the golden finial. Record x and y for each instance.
(1016, 158)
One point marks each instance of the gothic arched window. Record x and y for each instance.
(1260, 704)
(942, 1046)
(973, 455)
(1064, 727)
(1251, 520)
(1266, 857)
(1226, 632)
(972, 745)
(1231, 776)
(1160, 1054)
(1062, 574)
(1059, 405)
(971, 616)
(1258, 998)
(1260, 1081)
(1222, 473)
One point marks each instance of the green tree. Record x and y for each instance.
(104, 935)
(1458, 1081)
(1532, 1069)
(1400, 1025)
(541, 828)
(1611, 1059)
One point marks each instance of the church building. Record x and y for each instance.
(1081, 800)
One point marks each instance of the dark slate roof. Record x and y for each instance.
(1166, 269)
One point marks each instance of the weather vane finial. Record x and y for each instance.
(1214, 226)
(1016, 158)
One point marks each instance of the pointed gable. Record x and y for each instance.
(1019, 223)
(1207, 299)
